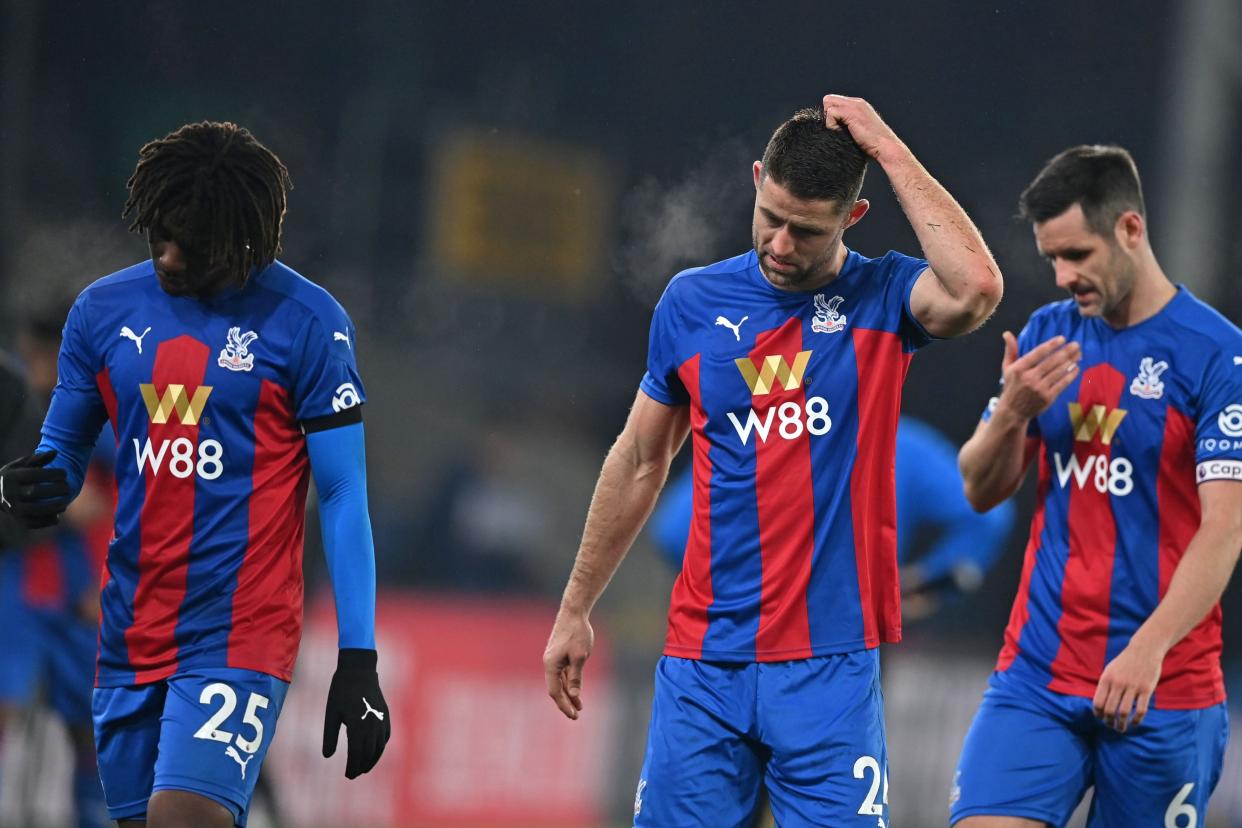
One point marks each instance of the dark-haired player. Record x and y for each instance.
(785, 366)
(1130, 395)
(229, 380)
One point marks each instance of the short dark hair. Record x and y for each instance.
(1103, 180)
(813, 161)
(217, 182)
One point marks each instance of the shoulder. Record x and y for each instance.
(1207, 344)
(887, 266)
(1206, 325)
(302, 296)
(689, 278)
(695, 279)
(116, 284)
(1053, 317)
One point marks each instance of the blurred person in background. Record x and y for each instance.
(228, 379)
(49, 584)
(49, 588)
(1130, 395)
(786, 365)
(944, 547)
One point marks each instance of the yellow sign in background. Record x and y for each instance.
(519, 211)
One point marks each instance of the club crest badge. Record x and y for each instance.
(827, 318)
(1148, 384)
(236, 355)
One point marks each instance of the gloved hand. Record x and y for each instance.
(32, 493)
(355, 700)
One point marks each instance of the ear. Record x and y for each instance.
(861, 206)
(1130, 230)
(758, 170)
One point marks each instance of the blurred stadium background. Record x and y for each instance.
(498, 192)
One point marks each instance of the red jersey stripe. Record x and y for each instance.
(786, 502)
(108, 394)
(1021, 612)
(167, 516)
(692, 593)
(267, 602)
(44, 583)
(1191, 676)
(879, 359)
(1086, 591)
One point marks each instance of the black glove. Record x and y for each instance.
(355, 700)
(31, 493)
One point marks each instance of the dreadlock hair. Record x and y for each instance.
(216, 183)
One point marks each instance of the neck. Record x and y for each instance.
(834, 270)
(1151, 292)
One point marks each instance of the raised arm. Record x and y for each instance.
(963, 284)
(633, 474)
(995, 458)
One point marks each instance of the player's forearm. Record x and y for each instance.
(71, 456)
(952, 245)
(1196, 586)
(339, 467)
(993, 460)
(624, 497)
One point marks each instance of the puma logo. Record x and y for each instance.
(128, 334)
(341, 336)
(378, 714)
(737, 329)
(232, 753)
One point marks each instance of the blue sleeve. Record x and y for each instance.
(77, 411)
(326, 379)
(70, 456)
(929, 489)
(971, 540)
(338, 464)
(1218, 413)
(904, 272)
(661, 382)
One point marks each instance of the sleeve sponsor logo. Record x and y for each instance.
(1230, 420)
(346, 397)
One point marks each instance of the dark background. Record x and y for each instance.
(494, 392)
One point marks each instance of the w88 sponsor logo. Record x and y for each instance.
(1109, 476)
(180, 456)
(790, 418)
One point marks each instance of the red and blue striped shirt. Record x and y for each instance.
(1156, 409)
(205, 397)
(794, 399)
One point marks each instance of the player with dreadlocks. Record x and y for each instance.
(229, 380)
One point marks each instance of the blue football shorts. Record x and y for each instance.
(812, 730)
(1033, 753)
(203, 731)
